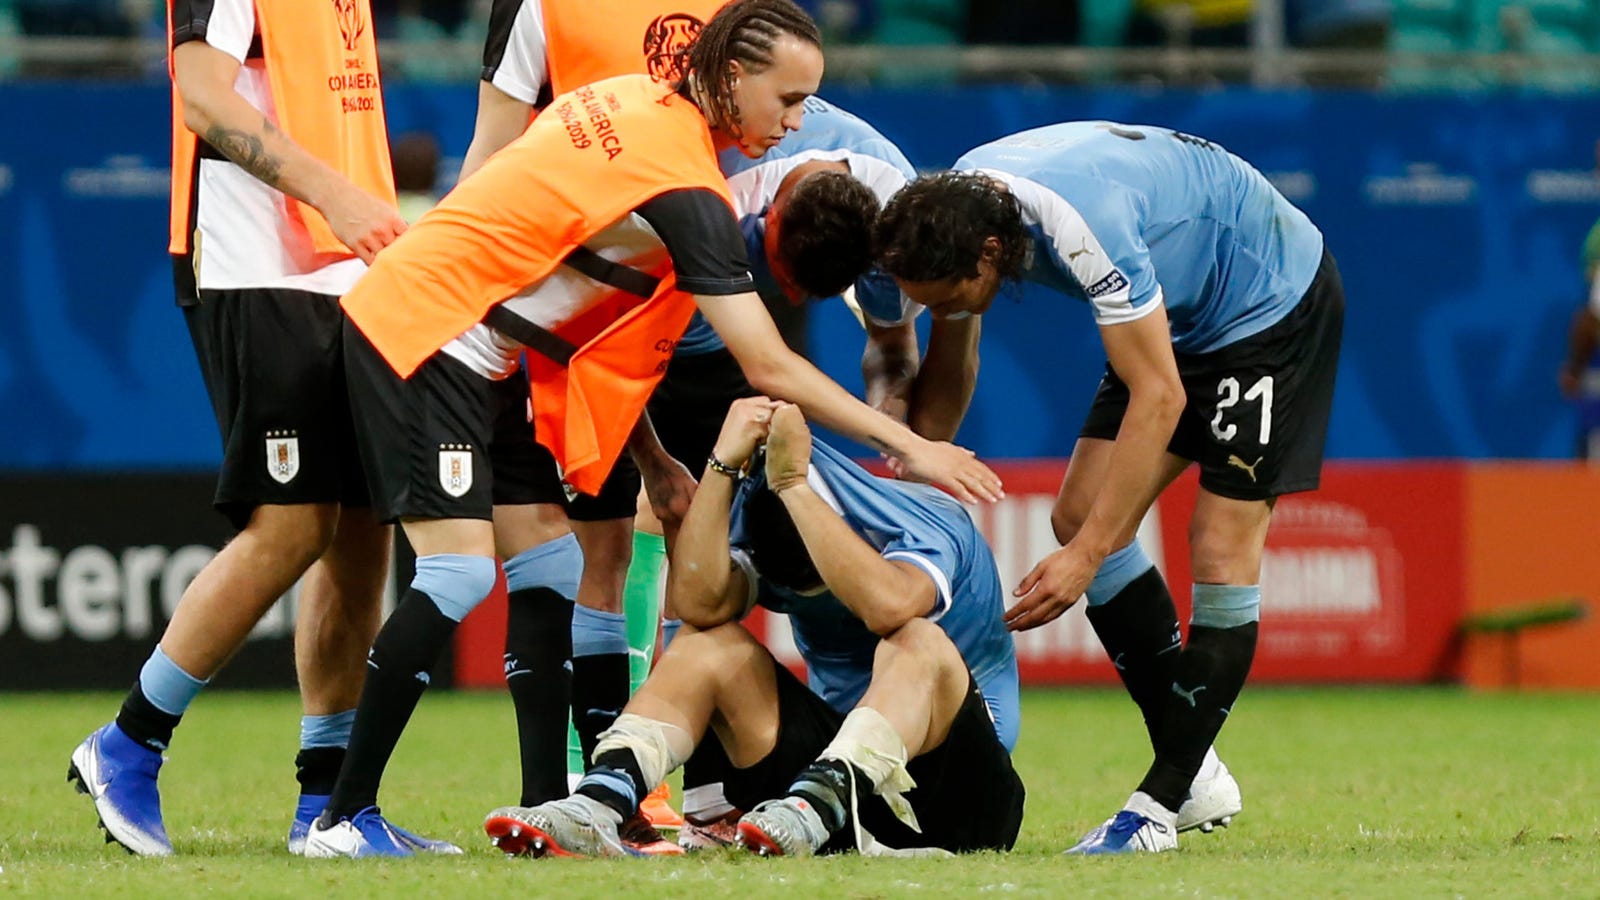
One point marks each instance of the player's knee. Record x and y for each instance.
(715, 650)
(1216, 558)
(300, 531)
(1065, 520)
(455, 582)
(919, 643)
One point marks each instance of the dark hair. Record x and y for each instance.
(825, 232)
(744, 30)
(775, 545)
(934, 228)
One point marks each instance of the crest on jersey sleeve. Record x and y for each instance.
(455, 468)
(283, 456)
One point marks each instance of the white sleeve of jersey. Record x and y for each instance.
(1109, 288)
(524, 69)
(232, 27)
(941, 584)
(754, 188)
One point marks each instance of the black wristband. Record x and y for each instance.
(722, 468)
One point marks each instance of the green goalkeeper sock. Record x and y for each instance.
(641, 604)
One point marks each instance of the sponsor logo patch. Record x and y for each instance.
(283, 456)
(1108, 285)
(455, 468)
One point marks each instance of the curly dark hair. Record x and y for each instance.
(747, 31)
(934, 228)
(825, 232)
(775, 546)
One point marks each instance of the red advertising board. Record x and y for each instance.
(1362, 580)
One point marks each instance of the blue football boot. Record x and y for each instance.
(119, 775)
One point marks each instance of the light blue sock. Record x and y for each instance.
(595, 632)
(669, 630)
(455, 582)
(1117, 571)
(556, 564)
(332, 730)
(1226, 605)
(167, 687)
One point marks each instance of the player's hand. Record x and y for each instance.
(743, 430)
(669, 487)
(788, 448)
(363, 222)
(1050, 588)
(954, 468)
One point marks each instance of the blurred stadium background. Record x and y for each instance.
(1445, 147)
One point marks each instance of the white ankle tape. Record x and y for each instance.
(660, 747)
(867, 741)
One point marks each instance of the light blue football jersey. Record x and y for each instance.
(829, 133)
(1130, 216)
(913, 523)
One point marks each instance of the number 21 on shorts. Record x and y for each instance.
(1228, 397)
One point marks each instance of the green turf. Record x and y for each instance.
(1349, 792)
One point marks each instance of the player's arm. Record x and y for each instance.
(1140, 352)
(889, 367)
(943, 388)
(709, 258)
(883, 593)
(704, 585)
(667, 484)
(515, 72)
(501, 119)
(217, 113)
(772, 368)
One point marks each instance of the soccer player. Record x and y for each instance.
(896, 605)
(590, 240)
(1221, 313)
(539, 46)
(537, 49)
(281, 194)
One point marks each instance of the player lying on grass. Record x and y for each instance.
(903, 739)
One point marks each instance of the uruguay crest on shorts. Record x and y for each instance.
(283, 456)
(455, 468)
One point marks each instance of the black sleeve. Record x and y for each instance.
(189, 18)
(703, 239)
(502, 15)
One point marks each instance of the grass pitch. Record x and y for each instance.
(1347, 792)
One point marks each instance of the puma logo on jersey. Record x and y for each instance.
(1188, 695)
(1073, 255)
(1249, 468)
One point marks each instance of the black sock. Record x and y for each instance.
(140, 720)
(397, 673)
(599, 692)
(826, 784)
(317, 768)
(616, 780)
(538, 646)
(708, 764)
(1211, 672)
(1139, 629)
